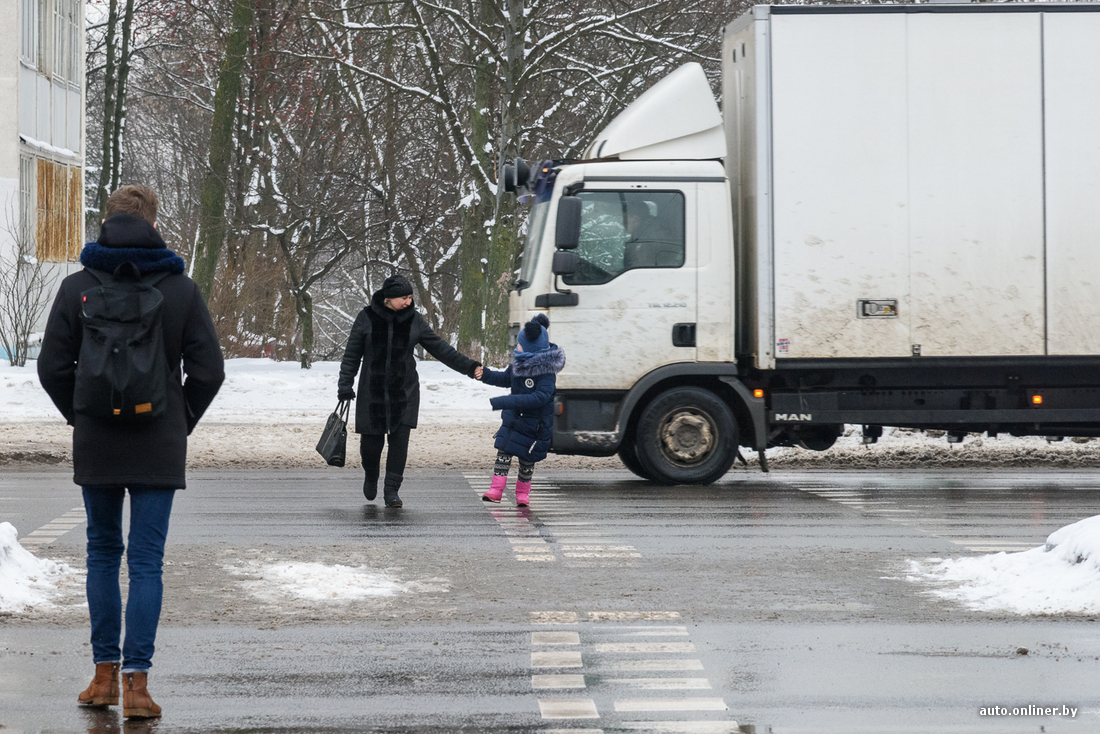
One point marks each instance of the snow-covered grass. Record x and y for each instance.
(26, 582)
(265, 391)
(324, 583)
(1062, 577)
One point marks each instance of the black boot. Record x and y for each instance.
(390, 487)
(370, 486)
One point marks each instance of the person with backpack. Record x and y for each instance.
(131, 360)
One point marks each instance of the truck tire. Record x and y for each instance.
(687, 435)
(628, 454)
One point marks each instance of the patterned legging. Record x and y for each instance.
(504, 463)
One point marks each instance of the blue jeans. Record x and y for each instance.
(149, 511)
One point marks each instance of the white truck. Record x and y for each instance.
(895, 222)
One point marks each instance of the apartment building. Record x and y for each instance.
(42, 50)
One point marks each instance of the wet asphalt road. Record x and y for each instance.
(769, 601)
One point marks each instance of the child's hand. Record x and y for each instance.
(478, 372)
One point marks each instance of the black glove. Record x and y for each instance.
(345, 394)
(473, 370)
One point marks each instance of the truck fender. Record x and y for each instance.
(609, 441)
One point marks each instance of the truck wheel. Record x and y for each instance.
(686, 436)
(628, 454)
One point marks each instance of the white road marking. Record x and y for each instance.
(568, 708)
(557, 659)
(54, 529)
(684, 727)
(632, 647)
(653, 665)
(537, 559)
(639, 616)
(556, 638)
(661, 684)
(654, 631)
(554, 617)
(670, 704)
(557, 681)
(602, 555)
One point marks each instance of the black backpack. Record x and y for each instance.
(122, 370)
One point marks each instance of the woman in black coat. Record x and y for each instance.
(382, 341)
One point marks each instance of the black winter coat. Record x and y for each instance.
(152, 454)
(382, 341)
(527, 417)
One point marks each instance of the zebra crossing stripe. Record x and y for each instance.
(568, 708)
(54, 529)
(670, 704)
(683, 727)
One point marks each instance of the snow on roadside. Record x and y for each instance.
(321, 582)
(25, 580)
(1062, 577)
(262, 390)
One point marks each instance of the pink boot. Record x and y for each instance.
(496, 489)
(523, 493)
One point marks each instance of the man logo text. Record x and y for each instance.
(794, 416)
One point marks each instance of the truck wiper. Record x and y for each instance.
(520, 285)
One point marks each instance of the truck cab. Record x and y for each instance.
(646, 294)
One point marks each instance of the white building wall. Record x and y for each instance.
(41, 114)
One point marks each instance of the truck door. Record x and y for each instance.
(635, 286)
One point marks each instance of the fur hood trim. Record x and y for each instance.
(108, 259)
(547, 362)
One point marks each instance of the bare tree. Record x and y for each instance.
(26, 286)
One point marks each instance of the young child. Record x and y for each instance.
(528, 412)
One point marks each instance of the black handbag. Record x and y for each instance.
(333, 446)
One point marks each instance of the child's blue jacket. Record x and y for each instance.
(528, 413)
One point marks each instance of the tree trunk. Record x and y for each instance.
(212, 202)
(303, 302)
(119, 126)
(477, 218)
(109, 80)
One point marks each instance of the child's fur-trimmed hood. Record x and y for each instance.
(547, 362)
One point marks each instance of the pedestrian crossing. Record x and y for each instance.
(925, 518)
(599, 666)
(53, 530)
(552, 529)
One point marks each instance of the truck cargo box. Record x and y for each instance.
(915, 180)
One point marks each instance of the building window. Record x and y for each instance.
(59, 35)
(58, 202)
(28, 18)
(28, 216)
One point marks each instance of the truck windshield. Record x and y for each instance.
(536, 223)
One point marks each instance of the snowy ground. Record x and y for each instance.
(28, 582)
(1061, 577)
(269, 414)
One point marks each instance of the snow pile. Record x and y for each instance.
(320, 582)
(25, 581)
(265, 391)
(1062, 577)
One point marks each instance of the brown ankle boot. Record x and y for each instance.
(136, 701)
(103, 690)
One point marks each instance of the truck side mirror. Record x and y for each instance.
(567, 232)
(565, 262)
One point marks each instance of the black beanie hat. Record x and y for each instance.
(396, 286)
